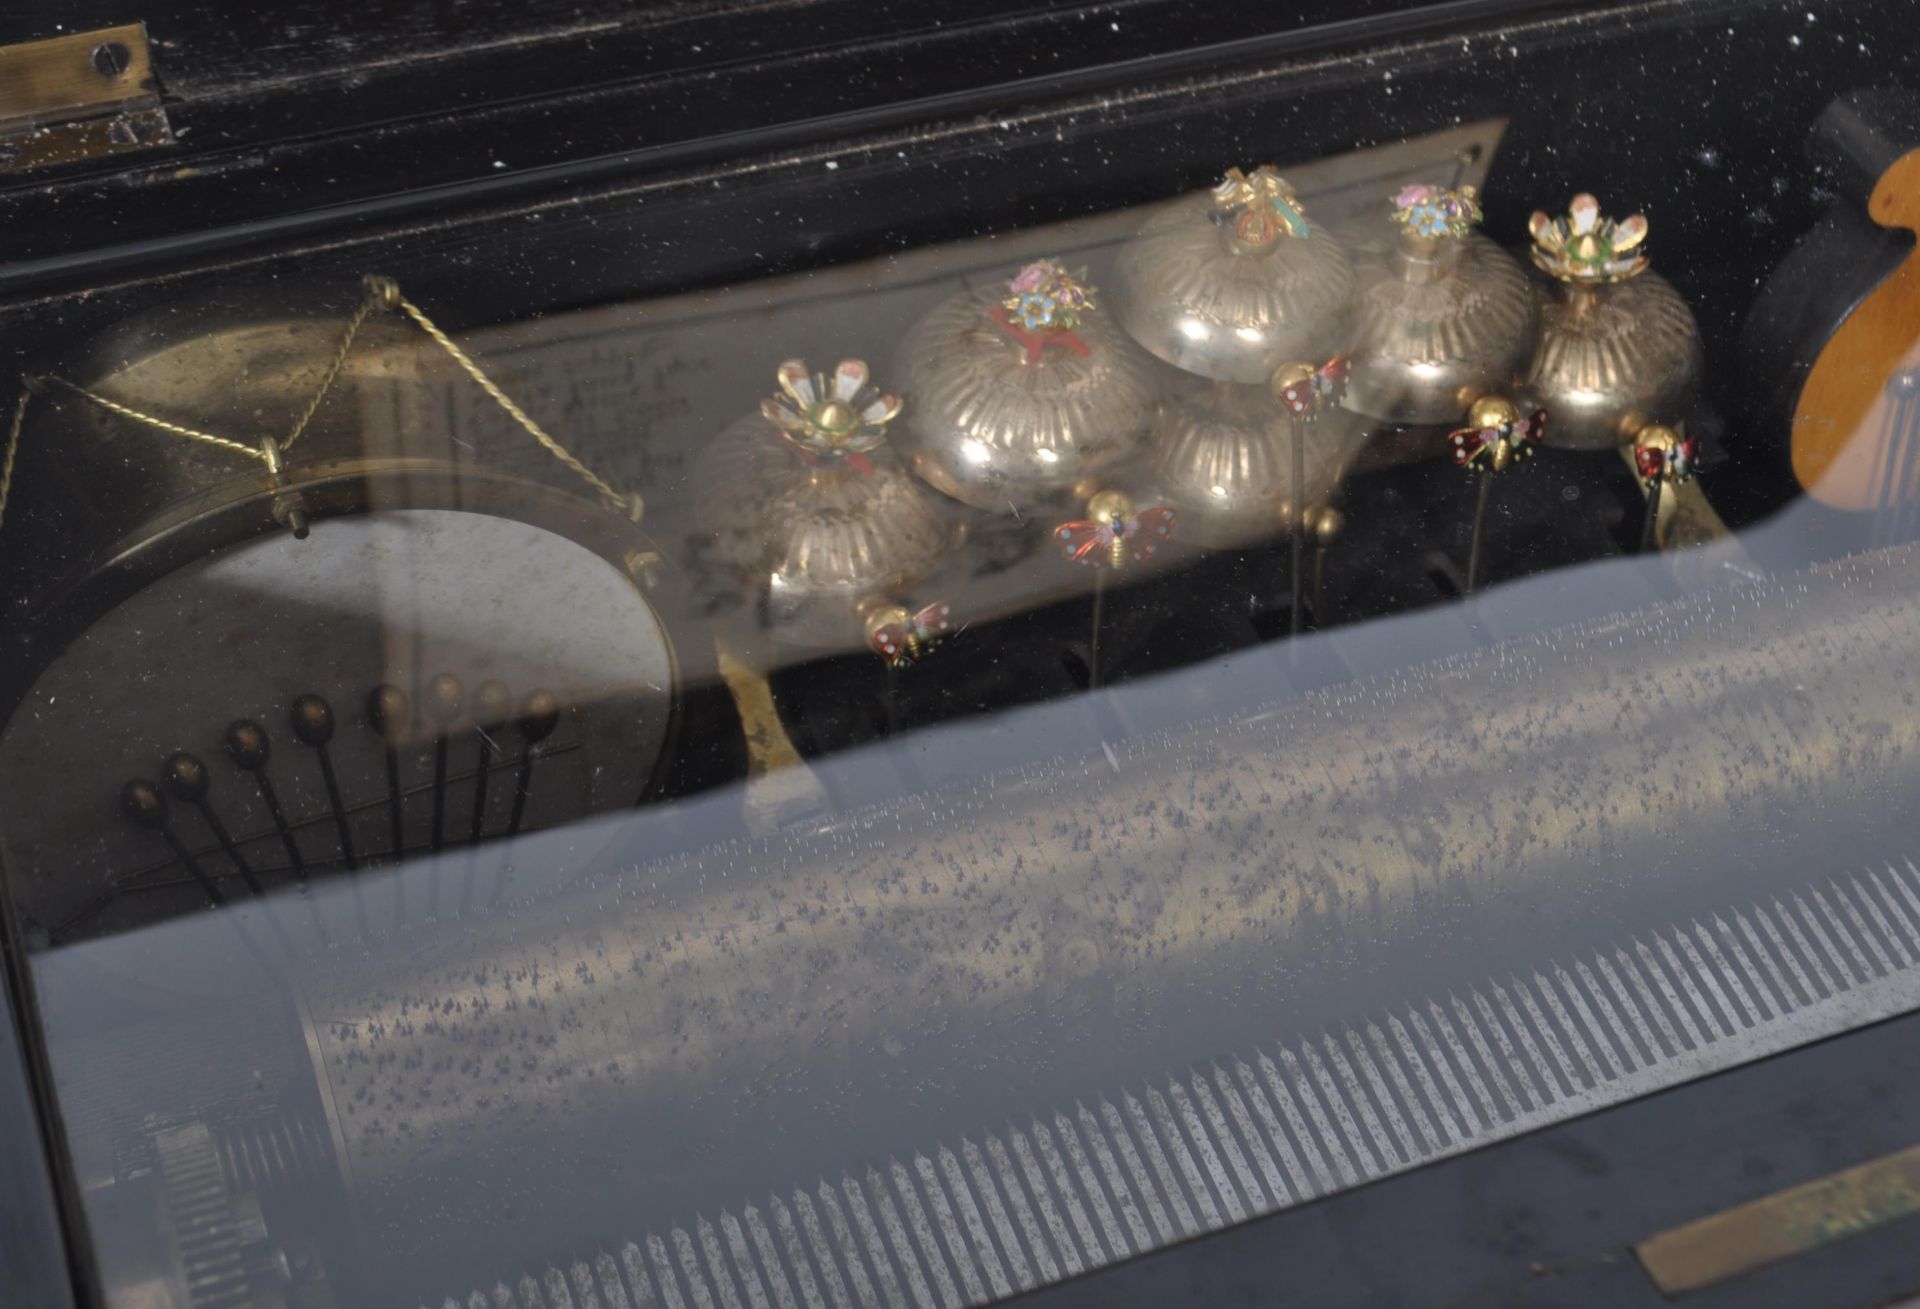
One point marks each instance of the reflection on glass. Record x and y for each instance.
(902, 784)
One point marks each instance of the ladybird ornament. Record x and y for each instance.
(1663, 455)
(1497, 437)
(902, 638)
(1305, 397)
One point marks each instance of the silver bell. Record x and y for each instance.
(1233, 283)
(808, 507)
(1618, 348)
(1445, 316)
(1025, 396)
(1224, 462)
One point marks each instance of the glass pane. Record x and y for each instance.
(1131, 666)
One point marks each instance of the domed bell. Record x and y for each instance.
(1236, 282)
(1618, 347)
(1023, 395)
(1444, 317)
(805, 501)
(1224, 461)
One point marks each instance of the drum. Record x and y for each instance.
(382, 644)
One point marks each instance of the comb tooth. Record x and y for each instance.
(798, 1263)
(1811, 956)
(1343, 1129)
(1054, 1225)
(716, 1265)
(663, 1271)
(1398, 1047)
(744, 1262)
(690, 1268)
(876, 1244)
(1408, 1113)
(1297, 1179)
(973, 1255)
(1124, 1175)
(1741, 986)
(610, 1285)
(1064, 1187)
(1081, 1171)
(922, 1227)
(1167, 1127)
(1648, 998)
(1156, 1157)
(585, 1294)
(1767, 987)
(1867, 893)
(843, 1241)
(1215, 1122)
(1030, 1224)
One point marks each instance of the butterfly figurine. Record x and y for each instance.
(1496, 448)
(1306, 397)
(1674, 463)
(900, 637)
(1112, 539)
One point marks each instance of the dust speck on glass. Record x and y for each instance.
(983, 696)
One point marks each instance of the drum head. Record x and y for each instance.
(394, 596)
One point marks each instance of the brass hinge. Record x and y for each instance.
(79, 97)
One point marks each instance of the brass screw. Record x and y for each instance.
(111, 59)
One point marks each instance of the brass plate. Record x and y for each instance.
(79, 97)
(1784, 1224)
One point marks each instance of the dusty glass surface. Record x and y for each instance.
(1231, 693)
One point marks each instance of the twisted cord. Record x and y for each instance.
(371, 302)
(13, 448)
(513, 410)
(381, 293)
(126, 411)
